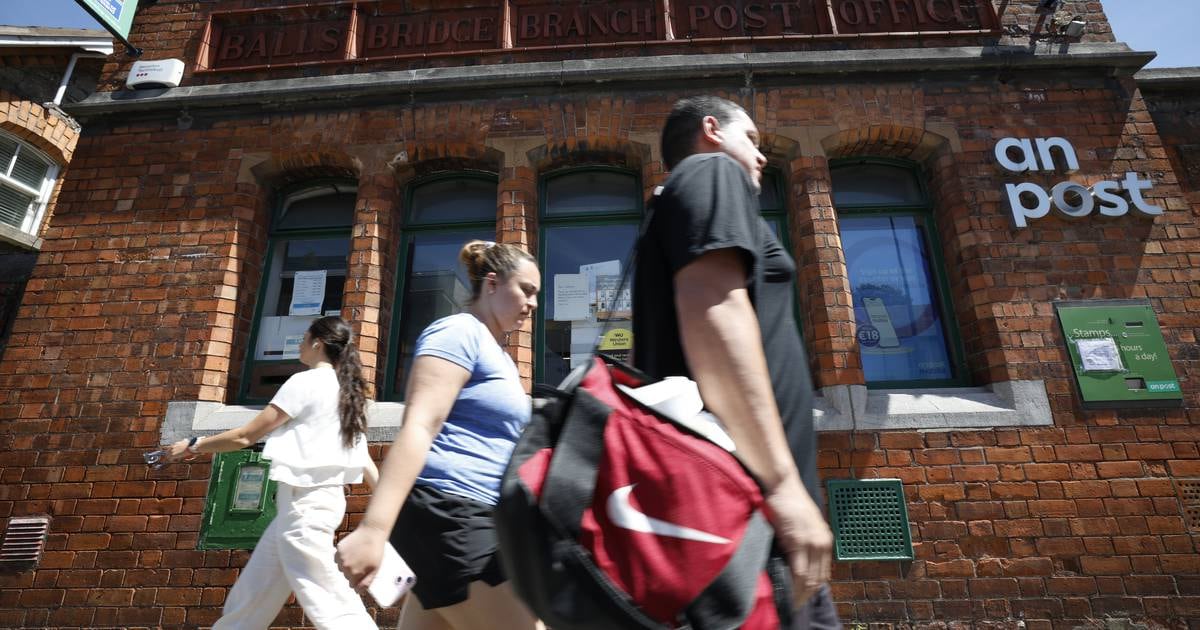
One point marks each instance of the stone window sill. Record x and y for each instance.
(837, 408)
(1005, 404)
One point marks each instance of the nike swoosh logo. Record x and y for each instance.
(625, 516)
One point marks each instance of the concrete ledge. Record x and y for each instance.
(187, 418)
(1168, 78)
(838, 408)
(654, 71)
(13, 236)
(1006, 404)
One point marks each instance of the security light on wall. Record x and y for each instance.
(1075, 27)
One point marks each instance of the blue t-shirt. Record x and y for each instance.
(470, 453)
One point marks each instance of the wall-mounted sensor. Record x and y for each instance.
(160, 73)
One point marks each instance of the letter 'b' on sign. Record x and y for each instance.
(1017, 196)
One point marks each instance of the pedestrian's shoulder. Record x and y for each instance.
(700, 168)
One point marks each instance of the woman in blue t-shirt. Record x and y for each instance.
(465, 407)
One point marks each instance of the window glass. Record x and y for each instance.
(875, 184)
(14, 206)
(321, 265)
(900, 324)
(444, 213)
(435, 285)
(26, 179)
(769, 199)
(592, 192)
(581, 273)
(309, 211)
(305, 279)
(454, 201)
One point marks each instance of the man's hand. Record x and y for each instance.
(360, 554)
(804, 535)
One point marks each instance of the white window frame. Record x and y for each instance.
(41, 196)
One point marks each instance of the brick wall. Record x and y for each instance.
(146, 285)
(55, 136)
(145, 291)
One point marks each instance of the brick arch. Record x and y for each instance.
(779, 149)
(890, 141)
(285, 169)
(425, 160)
(45, 131)
(579, 151)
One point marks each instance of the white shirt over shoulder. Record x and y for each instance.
(307, 450)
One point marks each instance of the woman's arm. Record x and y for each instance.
(241, 437)
(432, 389)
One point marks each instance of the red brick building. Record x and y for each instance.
(949, 175)
(41, 69)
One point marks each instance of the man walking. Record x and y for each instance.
(730, 325)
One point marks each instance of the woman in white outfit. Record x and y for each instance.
(317, 445)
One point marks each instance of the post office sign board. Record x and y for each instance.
(1118, 354)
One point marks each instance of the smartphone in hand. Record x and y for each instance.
(154, 459)
(393, 579)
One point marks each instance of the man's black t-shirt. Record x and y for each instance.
(708, 204)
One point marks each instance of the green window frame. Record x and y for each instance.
(262, 377)
(448, 236)
(917, 212)
(773, 207)
(624, 218)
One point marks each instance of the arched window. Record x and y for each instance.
(905, 326)
(26, 183)
(589, 220)
(307, 259)
(443, 213)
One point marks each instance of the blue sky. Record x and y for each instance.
(1165, 26)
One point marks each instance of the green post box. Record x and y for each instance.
(241, 501)
(1118, 354)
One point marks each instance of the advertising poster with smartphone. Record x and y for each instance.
(899, 327)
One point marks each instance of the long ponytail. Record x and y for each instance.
(334, 332)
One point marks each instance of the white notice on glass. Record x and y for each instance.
(291, 346)
(606, 268)
(308, 293)
(571, 297)
(1099, 355)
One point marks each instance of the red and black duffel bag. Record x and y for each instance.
(612, 516)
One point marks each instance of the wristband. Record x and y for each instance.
(191, 447)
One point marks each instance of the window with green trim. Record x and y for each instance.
(443, 212)
(589, 221)
(26, 182)
(308, 254)
(905, 326)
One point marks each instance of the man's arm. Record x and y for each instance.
(722, 343)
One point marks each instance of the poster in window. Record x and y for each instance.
(609, 305)
(899, 326)
(571, 297)
(308, 293)
(595, 270)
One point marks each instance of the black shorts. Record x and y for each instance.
(449, 541)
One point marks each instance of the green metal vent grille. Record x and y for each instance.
(870, 519)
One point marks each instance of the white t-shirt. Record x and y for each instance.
(307, 450)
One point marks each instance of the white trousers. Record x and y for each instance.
(295, 554)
